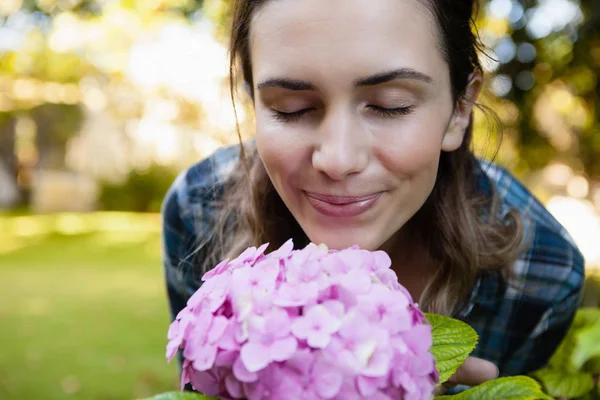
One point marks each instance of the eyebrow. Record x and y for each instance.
(402, 73)
(289, 84)
(373, 80)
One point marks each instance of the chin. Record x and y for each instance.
(335, 240)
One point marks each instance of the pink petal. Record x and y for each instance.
(301, 327)
(398, 344)
(219, 269)
(327, 380)
(397, 322)
(383, 396)
(284, 251)
(271, 376)
(197, 298)
(378, 365)
(318, 340)
(259, 252)
(381, 259)
(234, 387)
(255, 391)
(205, 382)
(356, 326)
(173, 331)
(334, 265)
(407, 382)
(301, 361)
(255, 356)
(242, 374)
(345, 296)
(278, 323)
(347, 360)
(226, 358)
(319, 315)
(334, 307)
(185, 377)
(240, 332)
(187, 323)
(204, 358)
(417, 315)
(217, 328)
(216, 299)
(172, 348)
(296, 295)
(419, 338)
(324, 282)
(389, 278)
(367, 386)
(357, 282)
(245, 256)
(351, 258)
(423, 364)
(227, 340)
(283, 349)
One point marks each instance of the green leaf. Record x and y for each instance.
(453, 341)
(592, 365)
(511, 388)
(180, 396)
(587, 316)
(580, 344)
(563, 384)
(587, 345)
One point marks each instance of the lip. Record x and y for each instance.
(342, 206)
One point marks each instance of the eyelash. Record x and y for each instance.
(291, 117)
(391, 112)
(384, 112)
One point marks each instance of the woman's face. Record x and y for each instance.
(353, 108)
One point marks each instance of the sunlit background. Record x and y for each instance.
(103, 102)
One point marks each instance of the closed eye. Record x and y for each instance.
(390, 112)
(291, 116)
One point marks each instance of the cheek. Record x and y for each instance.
(411, 150)
(281, 151)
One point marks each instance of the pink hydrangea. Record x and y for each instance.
(304, 324)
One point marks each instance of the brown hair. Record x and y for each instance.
(459, 225)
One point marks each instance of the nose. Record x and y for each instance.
(342, 148)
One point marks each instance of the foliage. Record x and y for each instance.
(453, 341)
(142, 190)
(512, 388)
(574, 368)
(452, 344)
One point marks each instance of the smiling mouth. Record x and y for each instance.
(342, 206)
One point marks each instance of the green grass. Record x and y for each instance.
(83, 311)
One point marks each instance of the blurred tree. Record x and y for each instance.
(8, 159)
(47, 57)
(142, 191)
(548, 57)
(56, 124)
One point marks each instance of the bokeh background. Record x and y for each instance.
(103, 102)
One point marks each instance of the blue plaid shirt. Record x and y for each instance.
(519, 325)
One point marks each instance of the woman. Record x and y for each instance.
(363, 132)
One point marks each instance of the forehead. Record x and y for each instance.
(344, 37)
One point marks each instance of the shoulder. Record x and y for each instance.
(189, 202)
(514, 195)
(552, 262)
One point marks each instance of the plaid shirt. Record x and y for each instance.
(520, 323)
